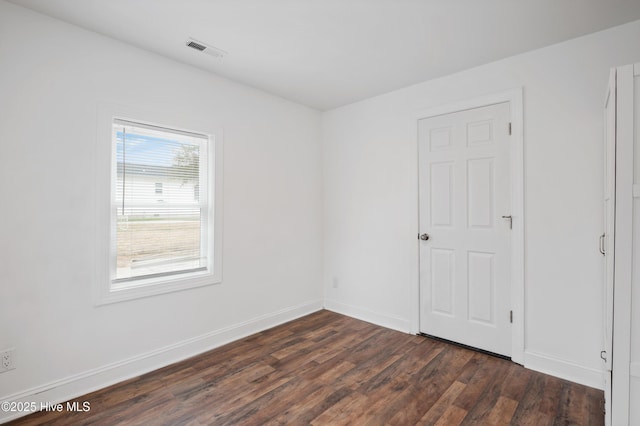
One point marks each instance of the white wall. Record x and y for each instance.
(52, 77)
(370, 159)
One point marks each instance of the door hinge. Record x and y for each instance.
(511, 317)
(509, 128)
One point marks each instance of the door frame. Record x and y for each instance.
(609, 221)
(516, 161)
(626, 191)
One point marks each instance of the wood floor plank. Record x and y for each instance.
(453, 416)
(529, 404)
(476, 388)
(313, 407)
(437, 410)
(489, 397)
(572, 404)
(430, 383)
(264, 408)
(548, 404)
(327, 368)
(338, 413)
(502, 411)
(516, 382)
(330, 376)
(595, 400)
(386, 402)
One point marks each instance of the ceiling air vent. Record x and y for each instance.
(201, 47)
(196, 45)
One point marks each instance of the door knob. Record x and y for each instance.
(424, 237)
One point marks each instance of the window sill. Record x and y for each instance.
(155, 286)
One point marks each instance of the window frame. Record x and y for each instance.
(106, 289)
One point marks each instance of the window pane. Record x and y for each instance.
(160, 228)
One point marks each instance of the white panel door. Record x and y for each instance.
(607, 239)
(464, 191)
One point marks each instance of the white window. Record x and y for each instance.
(164, 210)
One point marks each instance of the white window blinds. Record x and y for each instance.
(160, 201)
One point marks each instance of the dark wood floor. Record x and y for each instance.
(328, 369)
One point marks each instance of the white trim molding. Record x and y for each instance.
(515, 99)
(564, 369)
(83, 383)
(382, 320)
(104, 165)
(623, 251)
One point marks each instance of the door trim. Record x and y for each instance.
(515, 99)
(623, 251)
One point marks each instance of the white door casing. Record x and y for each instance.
(464, 190)
(607, 239)
(627, 79)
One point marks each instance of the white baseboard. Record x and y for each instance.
(564, 369)
(368, 316)
(89, 381)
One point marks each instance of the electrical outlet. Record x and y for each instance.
(7, 359)
(334, 282)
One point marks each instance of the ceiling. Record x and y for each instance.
(328, 53)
